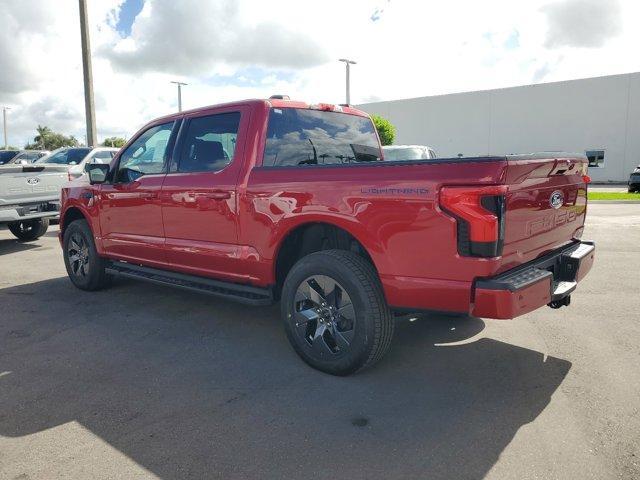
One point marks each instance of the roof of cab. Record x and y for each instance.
(271, 102)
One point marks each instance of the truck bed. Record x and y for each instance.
(393, 209)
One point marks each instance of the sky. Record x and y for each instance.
(234, 49)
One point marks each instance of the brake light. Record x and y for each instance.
(586, 178)
(327, 107)
(479, 212)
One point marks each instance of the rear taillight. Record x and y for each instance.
(479, 212)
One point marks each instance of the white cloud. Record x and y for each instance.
(582, 23)
(251, 48)
(191, 36)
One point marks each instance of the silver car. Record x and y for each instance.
(78, 158)
(408, 152)
(27, 156)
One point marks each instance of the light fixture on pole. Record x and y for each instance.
(4, 120)
(348, 64)
(180, 84)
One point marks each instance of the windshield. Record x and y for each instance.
(5, 156)
(297, 136)
(68, 156)
(29, 157)
(409, 153)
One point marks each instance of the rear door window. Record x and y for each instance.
(209, 143)
(301, 137)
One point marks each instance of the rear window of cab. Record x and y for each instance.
(298, 137)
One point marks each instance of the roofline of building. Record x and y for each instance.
(489, 90)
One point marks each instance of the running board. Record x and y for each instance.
(231, 291)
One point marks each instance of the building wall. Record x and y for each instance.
(575, 116)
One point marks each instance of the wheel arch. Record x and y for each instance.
(72, 214)
(313, 235)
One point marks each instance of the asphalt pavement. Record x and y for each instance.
(142, 381)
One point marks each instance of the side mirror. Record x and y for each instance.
(97, 173)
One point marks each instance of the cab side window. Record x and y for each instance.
(146, 155)
(209, 143)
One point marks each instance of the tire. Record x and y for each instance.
(86, 269)
(29, 230)
(334, 312)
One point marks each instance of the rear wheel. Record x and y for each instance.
(29, 230)
(86, 269)
(335, 314)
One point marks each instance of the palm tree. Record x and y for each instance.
(41, 138)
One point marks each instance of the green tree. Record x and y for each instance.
(47, 139)
(386, 130)
(117, 142)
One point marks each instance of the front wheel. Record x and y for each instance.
(86, 269)
(335, 314)
(29, 230)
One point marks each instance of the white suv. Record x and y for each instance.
(78, 158)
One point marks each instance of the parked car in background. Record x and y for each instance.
(27, 156)
(77, 158)
(634, 180)
(7, 155)
(408, 152)
(30, 197)
(261, 200)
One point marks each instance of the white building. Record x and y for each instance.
(596, 116)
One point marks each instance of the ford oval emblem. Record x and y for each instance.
(33, 181)
(557, 199)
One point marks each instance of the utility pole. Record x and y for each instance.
(348, 64)
(4, 119)
(90, 111)
(180, 84)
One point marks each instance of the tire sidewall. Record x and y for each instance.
(85, 283)
(39, 228)
(361, 344)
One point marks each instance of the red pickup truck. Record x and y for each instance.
(267, 200)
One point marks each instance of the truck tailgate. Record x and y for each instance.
(546, 204)
(21, 184)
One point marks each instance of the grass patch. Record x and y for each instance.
(613, 196)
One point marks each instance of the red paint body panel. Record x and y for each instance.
(231, 224)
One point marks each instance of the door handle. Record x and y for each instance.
(218, 195)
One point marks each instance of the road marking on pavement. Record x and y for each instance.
(4, 374)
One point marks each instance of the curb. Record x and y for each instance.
(618, 202)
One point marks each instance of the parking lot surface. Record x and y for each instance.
(142, 381)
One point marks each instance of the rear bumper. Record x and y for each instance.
(534, 284)
(29, 211)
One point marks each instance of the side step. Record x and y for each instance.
(231, 291)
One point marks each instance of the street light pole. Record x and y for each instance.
(348, 64)
(89, 107)
(180, 84)
(4, 120)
